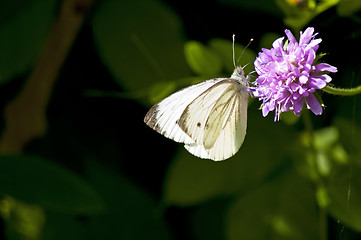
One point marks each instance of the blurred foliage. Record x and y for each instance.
(23, 28)
(298, 13)
(100, 173)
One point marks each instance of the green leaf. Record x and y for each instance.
(348, 7)
(191, 180)
(202, 60)
(323, 163)
(128, 208)
(140, 42)
(37, 181)
(22, 36)
(281, 209)
(325, 138)
(339, 154)
(224, 49)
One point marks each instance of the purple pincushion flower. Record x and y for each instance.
(288, 77)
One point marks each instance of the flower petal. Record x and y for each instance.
(297, 106)
(265, 110)
(319, 82)
(290, 36)
(306, 37)
(313, 104)
(324, 67)
(278, 43)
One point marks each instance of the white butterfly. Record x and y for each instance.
(210, 117)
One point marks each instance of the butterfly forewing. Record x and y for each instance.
(194, 118)
(164, 116)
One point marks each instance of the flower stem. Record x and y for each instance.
(342, 91)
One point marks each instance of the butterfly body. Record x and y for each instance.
(210, 117)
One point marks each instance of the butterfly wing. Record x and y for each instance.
(194, 117)
(164, 116)
(217, 121)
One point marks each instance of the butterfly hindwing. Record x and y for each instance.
(227, 124)
(233, 132)
(220, 114)
(194, 118)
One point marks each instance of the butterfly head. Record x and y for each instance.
(238, 74)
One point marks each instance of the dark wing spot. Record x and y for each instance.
(199, 124)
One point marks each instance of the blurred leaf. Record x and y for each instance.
(305, 161)
(323, 200)
(202, 60)
(191, 180)
(289, 118)
(23, 221)
(299, 13)
(350, 137)
(131, 213)
(325, 138)
(36, 181)
(267, 39)
(22, 36)
(348, 7)
(281, 209)
(345, 195)
(323, 163)
(325, 152)
(224, 49)
(339, 154)
(59, 227)
(161, 90)
(140, 42)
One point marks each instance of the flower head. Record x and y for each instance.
(288, 76)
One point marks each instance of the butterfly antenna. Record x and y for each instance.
(234, 61)
(244, 49)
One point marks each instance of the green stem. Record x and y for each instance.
(342, 91)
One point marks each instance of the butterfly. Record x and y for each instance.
(210, 117)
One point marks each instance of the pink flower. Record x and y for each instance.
(288, 76)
